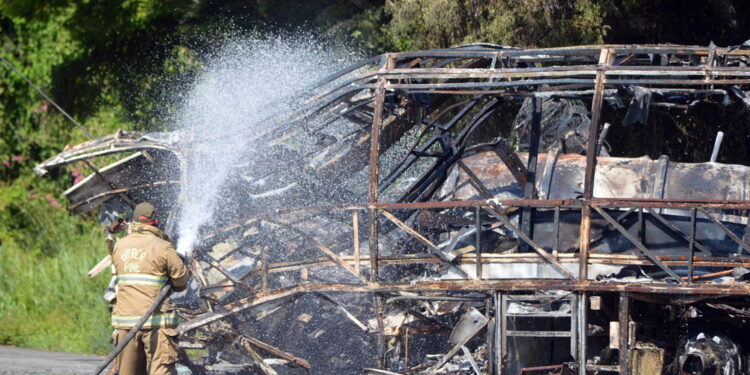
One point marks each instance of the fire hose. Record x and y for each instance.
(165, 291)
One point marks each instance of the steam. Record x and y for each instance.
(246, 83)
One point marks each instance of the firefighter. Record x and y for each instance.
(144, 262)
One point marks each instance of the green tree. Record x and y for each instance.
(419, 24)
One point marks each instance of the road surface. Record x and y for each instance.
(16, 361)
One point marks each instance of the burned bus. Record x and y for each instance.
(472, 210)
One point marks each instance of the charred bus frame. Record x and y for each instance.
(490, 71)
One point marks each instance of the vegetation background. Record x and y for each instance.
(109, 62)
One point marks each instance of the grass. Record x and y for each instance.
(46, 299)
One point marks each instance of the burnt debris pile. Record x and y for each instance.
(474, 210)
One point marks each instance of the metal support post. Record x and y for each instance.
(624, 324)
(377, 122)
(381, 330)
(478, 240)
(691, 244)
(372, 198)
(574, 326)
(556, 243)
(641, 226)
(490, 335)
(501, 339)
(264, 269)
(373, 244)
(582, 332)
(529, 190)
(585, 241)
(355, 235)
(605, 59)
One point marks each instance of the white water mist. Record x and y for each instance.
(243, 85)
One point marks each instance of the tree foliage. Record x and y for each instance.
(418, 24)
(421, 24)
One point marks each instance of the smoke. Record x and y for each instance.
(243, 85)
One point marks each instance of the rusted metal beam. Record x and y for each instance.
(624, 329)
(539, 203)
(446, 257)
(372, 196)
(711, 275)
(574, 339)
(689, 239)
(579, 53)
(213, 263)
(501, 339)
(344, 311)
(556, 239)
(605, 58)
(599, 234)
(377, 122)
(478, 240)
(582, 331)
(529, 190)
(691, 245)
(629, 72)
(475, 181)
(672, 203)
(488, 258)
(538, 334)
(511, 160)
(266, 369)
(355, 230)
(726, 230)
(680, 73)
(641, 226)
(572, 203)
(264, 269)
(379, 316)
(490, 335)
(550, 259)
(637, 243)
(275, 351)
(324, 249)
(506, 90)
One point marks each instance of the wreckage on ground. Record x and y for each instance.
(491, 227)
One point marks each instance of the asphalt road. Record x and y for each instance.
(18, 361)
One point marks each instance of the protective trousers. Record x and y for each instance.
(150, 352)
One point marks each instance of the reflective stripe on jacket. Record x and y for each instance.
(165, 320)
(141, 279)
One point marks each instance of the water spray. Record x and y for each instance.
(250, 81)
